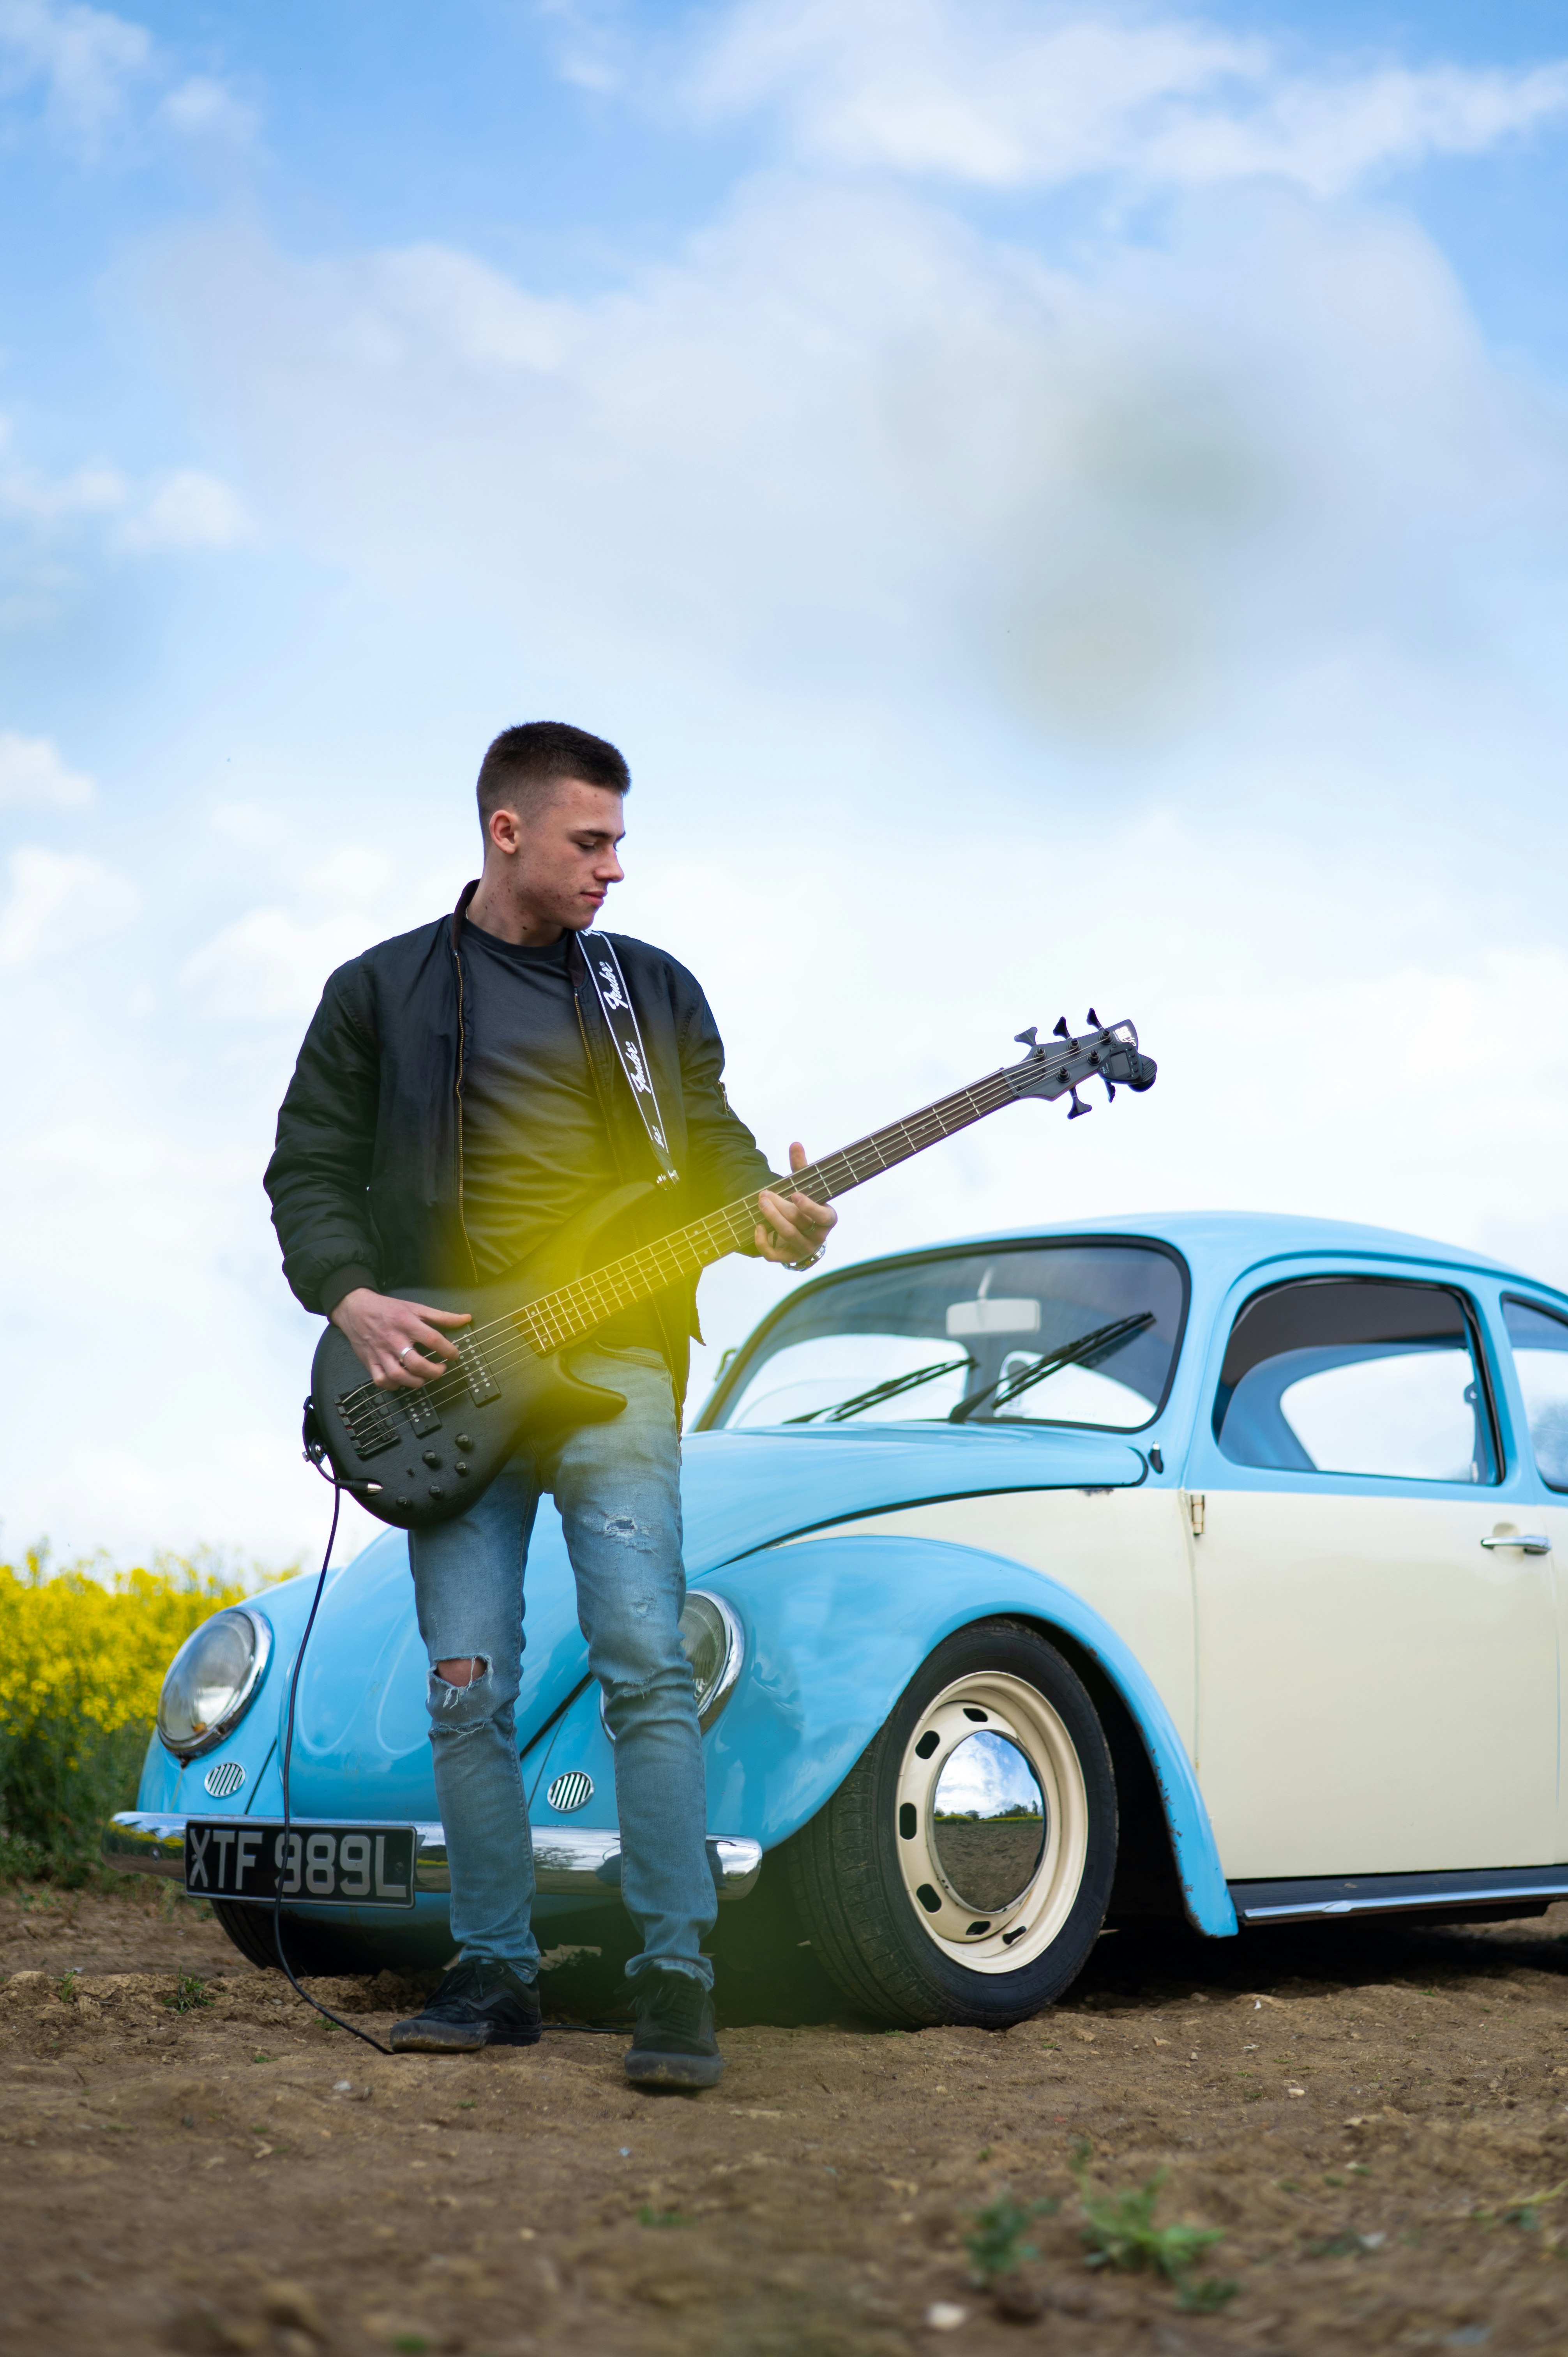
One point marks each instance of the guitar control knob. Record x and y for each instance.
(433, 1459)
(403, 1505)
(463, 1441)
(461, 1469)
(436, 1490)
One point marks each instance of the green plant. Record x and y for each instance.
(1119, 2229)
(190, 1991)
(995, 2239)
(64, 1989)
(649, 2216)
(1206, 2298)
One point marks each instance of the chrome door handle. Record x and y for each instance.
(1527, 1542)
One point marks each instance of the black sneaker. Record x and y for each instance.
(480, 2004)
(673, 2044)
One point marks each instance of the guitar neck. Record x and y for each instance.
(575, 1309)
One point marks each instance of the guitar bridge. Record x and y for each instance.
(364, 1412)
(482, 1384)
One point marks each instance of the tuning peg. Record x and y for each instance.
(1093, 1020)
(1078, 1105)
(1027, 1038)
(1110, 1088)
(1060, 1030)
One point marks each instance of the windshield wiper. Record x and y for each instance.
(1100, 1344)
(879, 1392)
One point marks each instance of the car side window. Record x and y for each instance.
(1540, 1340)
(1357, 1375)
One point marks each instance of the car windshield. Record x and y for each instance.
(1070, 1333)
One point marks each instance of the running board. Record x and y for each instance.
(1398, 1894)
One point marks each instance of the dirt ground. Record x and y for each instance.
(1376, 2122)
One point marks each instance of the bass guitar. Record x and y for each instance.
(416, 1458)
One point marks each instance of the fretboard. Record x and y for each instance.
(575, 1309)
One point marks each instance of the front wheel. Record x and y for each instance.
(961, 1871)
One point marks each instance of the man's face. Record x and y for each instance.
(562, 858)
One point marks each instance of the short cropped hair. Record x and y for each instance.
(525, 763)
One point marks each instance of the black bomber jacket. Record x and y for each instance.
(366, 1179)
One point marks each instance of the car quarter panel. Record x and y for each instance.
(837, 1625)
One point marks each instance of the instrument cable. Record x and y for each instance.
(315, 1454)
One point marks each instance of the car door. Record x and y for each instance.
(1377, 1686)
(1537, 1332)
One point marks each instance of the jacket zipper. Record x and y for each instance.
(457, 1092)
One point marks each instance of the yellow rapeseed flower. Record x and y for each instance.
(91, 1645)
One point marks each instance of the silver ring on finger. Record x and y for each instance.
(404, 1352)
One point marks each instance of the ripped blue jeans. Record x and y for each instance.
(618, 1489)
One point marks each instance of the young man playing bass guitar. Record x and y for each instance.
(461, 1093)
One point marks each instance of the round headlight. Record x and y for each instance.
(710, 1639)
(712, 1642)
(212, 1681)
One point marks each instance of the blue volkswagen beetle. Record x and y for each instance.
(1198, 1567)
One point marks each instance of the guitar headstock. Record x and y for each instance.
(1106, 1051)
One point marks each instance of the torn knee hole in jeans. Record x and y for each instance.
(628, 1529)
(450, 1691)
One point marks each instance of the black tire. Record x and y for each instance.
(877, 1894)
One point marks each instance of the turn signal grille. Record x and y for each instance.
(569, 1791)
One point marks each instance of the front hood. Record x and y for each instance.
(740, 1491)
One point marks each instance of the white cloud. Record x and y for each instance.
(203, 108)
(1006, 94)
(98, 71)
(271, 964)
(87, 60)
(34, 775)
(186, 510)
(56, 900)
(843, 433)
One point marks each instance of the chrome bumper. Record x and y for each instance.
(575, 1861)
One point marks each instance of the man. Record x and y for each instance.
(458, 1095)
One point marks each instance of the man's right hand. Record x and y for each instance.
(399, 1343)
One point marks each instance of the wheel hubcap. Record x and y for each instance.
(992, 1822)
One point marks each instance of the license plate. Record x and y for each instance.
(344, 1865)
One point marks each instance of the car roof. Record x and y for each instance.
(1242, 1239)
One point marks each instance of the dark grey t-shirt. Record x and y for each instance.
(535, 1149)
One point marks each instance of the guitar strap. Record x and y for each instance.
(614, 998)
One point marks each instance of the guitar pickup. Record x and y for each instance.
(482, 1384)
(422, 1413)
(368, 1426)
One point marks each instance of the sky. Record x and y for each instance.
(1059, 504)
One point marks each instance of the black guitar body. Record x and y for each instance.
(416, 1458)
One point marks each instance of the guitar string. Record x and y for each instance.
(735, 1223)
(693, 1248)
(556, 1319)
(619, 1284)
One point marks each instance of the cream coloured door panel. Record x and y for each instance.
(1123, 1551)
(1377, 1691)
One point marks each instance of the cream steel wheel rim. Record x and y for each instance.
(930, 1842)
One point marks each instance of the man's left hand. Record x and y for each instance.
(792, 1228)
